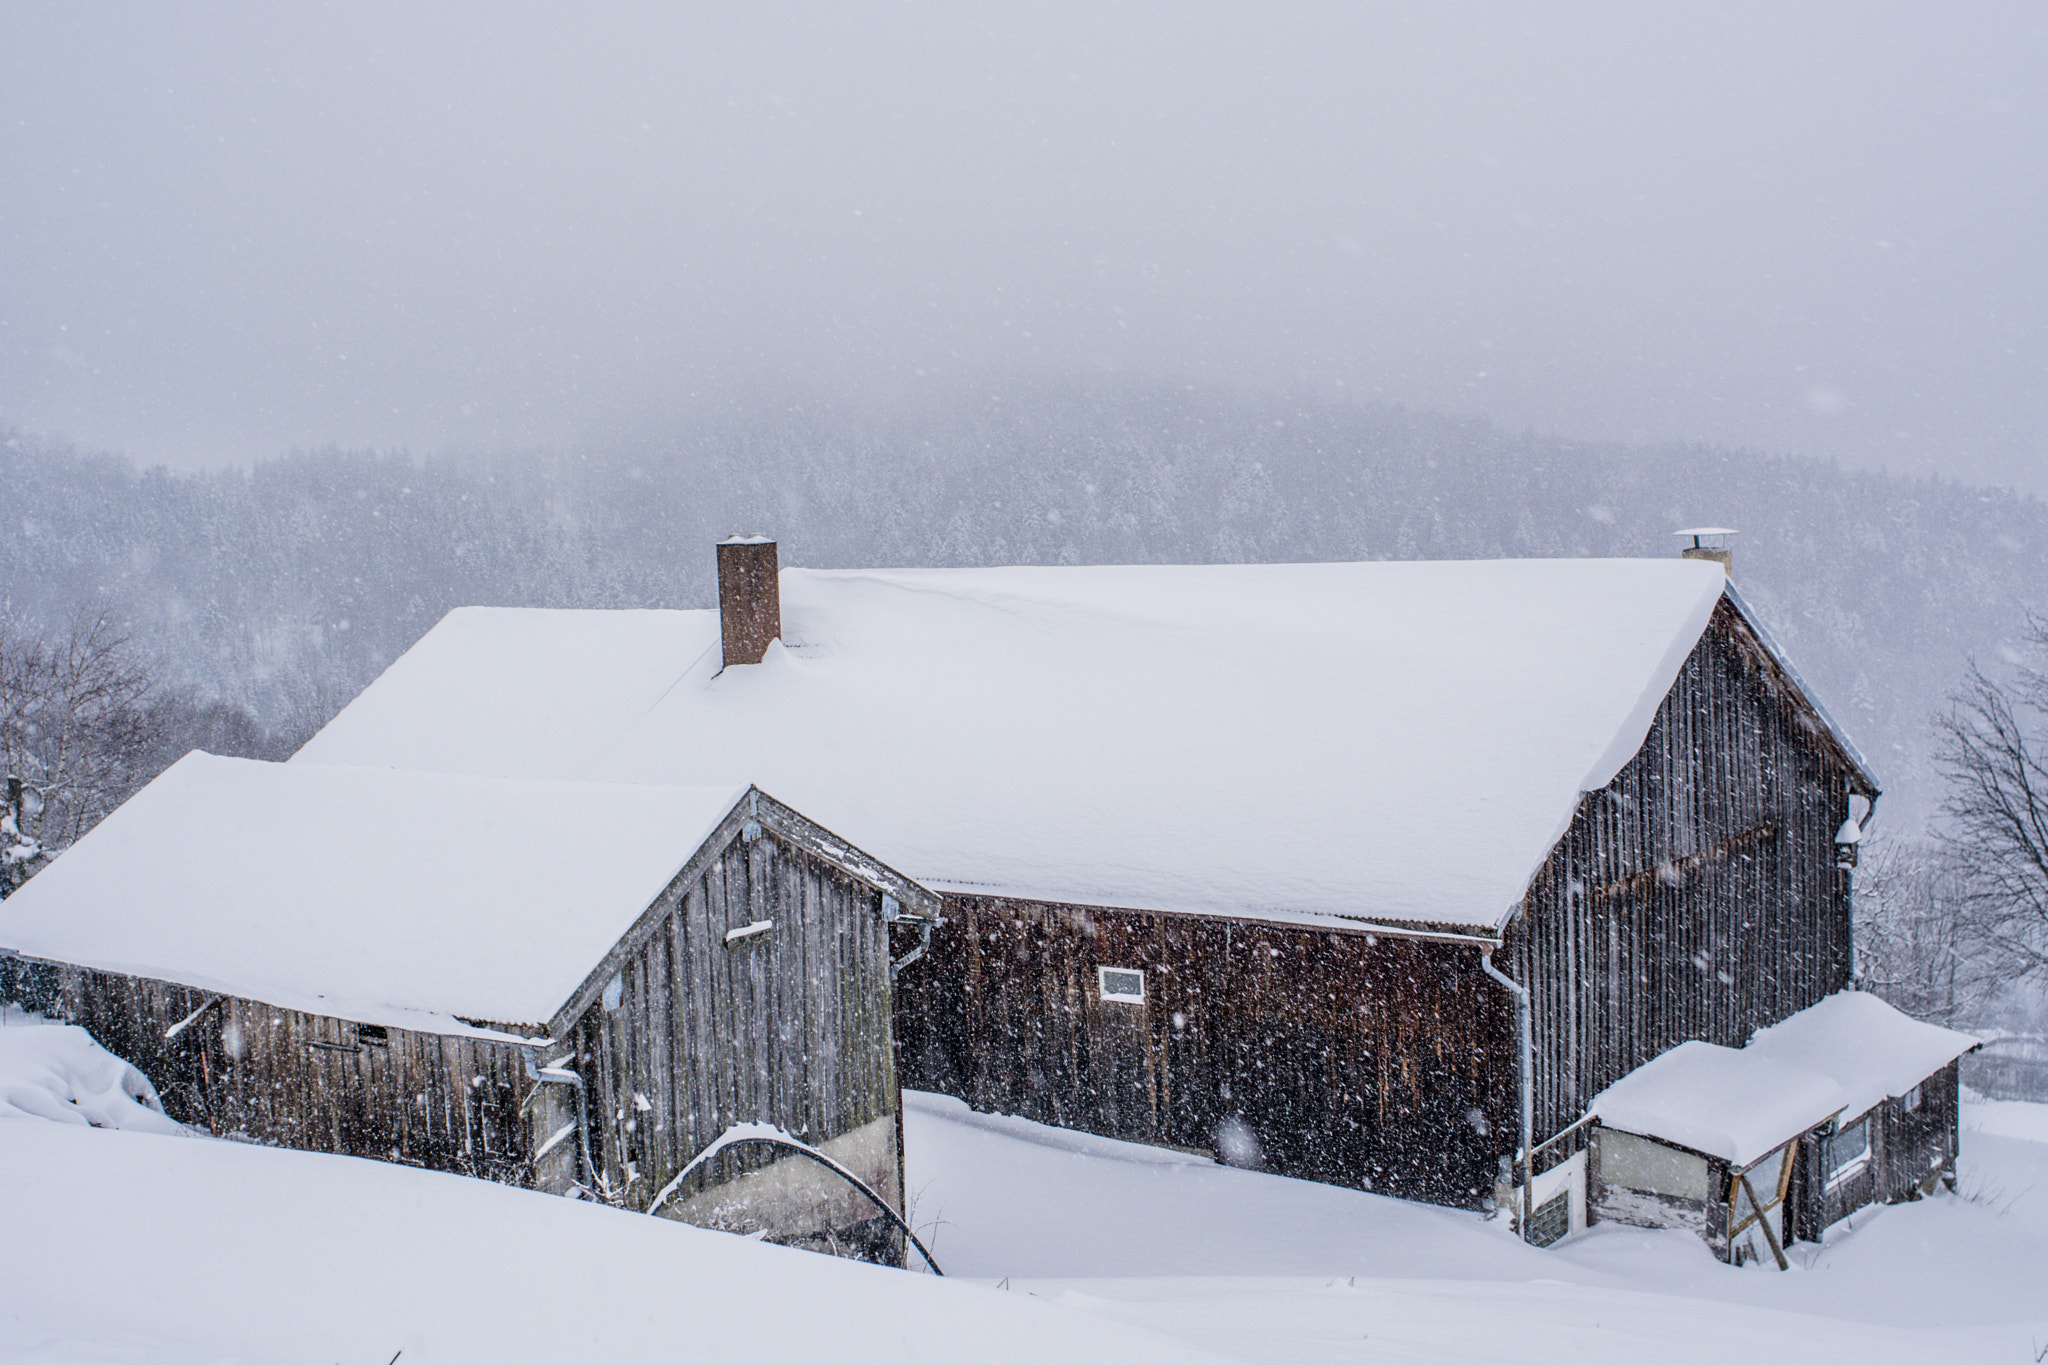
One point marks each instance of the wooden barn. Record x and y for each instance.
(1371, 873)
(568, 986)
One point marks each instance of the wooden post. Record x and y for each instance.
(1761, 1217)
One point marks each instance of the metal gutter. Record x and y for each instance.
(1477, 936)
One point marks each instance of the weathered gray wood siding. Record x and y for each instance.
(1696, 895)
(1380, 1062)
(248, 1070)
(791, 1027)
(1911, 1150)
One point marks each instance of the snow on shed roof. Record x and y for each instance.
(399, 898)
(1731, 1103)
(1868, 1048)
(1396, 741)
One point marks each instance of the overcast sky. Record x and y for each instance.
(230, 230)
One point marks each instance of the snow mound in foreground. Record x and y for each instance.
(57, 1072)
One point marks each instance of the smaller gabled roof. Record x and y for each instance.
(1864, 1045)
(1726, 1102)
(409, 899)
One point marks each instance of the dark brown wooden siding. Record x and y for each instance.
(1379, 1062)
(1696, 895)
(247, 1070)
(1913, 1148)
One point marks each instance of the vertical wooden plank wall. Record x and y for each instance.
(790, 1027)
(248, 1070)
(1911, 1147)
(1375, 1062)
(1696, 895)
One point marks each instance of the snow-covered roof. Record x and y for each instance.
(1864, 1045)
(406, 899)
(1732, 1103)
(1388, 741)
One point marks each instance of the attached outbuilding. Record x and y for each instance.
(1706, 1138)
(1845, 1104)
(576, 987)
(1898, 1132)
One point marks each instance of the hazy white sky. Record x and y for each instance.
(229, 230)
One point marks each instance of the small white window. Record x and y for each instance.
(1126, 984)
(1912, 1099)
(1851, 1151)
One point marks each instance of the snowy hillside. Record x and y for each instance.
(134, 1246)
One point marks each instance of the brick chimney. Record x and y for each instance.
(749, 599)
(1709, 542)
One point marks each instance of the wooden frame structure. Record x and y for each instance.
(755, 989)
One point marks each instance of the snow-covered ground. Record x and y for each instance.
(1262, 1268)
(128, 1246)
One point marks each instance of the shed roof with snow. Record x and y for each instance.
(1872, 1051)
(1724, 1102)
(1843, 1055)
(408, 899)
(1399, 741)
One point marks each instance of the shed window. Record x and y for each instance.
(373, 1033)
(1766, 1177)
(1640, 1163)
(1125, 984)
(1913, 1099)
(1850, 1151)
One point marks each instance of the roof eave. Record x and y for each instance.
(1850, 753)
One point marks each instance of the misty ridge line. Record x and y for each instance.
(286, 586)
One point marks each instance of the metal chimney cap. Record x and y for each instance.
(1700, 532)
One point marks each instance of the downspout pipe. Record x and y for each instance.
(1524, 1082)
(1855, 949)
(562, 1075)
(924, 945)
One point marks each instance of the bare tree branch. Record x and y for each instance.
(1994, 754)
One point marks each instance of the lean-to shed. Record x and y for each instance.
(1899, 1128)
(1372, 873)
(572, 986)
(1845, 1104)
(1706, 1138)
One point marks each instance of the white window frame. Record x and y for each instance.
(1102, 987)
(1849, 1166)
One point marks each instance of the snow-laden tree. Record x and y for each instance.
(1914, 942)
(74, 735)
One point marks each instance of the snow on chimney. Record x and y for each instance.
(749, 599)
(1709, 542)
